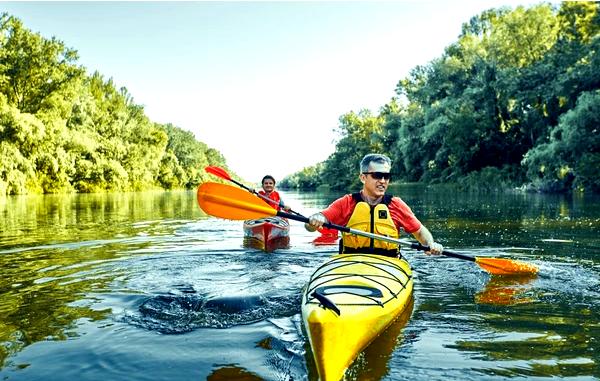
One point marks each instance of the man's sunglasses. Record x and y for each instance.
(379, 175)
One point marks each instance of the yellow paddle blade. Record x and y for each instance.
(502, 266)
(226, 201)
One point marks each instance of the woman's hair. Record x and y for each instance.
(268, 177)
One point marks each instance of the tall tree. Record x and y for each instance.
(33, 69)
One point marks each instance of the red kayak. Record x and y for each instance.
(267, 234)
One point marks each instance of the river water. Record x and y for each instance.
(145, 286)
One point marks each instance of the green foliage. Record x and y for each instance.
(409, 135)
(190, 157)
(16, 172)
(514, 99)
(64, 131)
(34, 71)
(572, 156)
(307, 178)
(489, 179)
(359, 134)
(520, 37)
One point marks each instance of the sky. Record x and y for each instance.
(264, 83)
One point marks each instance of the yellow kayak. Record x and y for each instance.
(348, 302)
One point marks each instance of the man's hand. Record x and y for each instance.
(435, 248)
(315, 222)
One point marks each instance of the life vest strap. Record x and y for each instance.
(367, 250)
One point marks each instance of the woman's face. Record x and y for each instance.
(268, 185)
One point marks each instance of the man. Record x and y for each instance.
(374, 211)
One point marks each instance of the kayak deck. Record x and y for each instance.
(349, 301)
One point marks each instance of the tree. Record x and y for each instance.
(62, 130)
(33, 69)
(360, 134)
(572, 156)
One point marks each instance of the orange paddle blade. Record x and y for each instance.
(502, 266)
(225, 201)
(218, 172)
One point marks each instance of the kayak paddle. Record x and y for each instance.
(220, 172)
(327, 235)
(225, 201)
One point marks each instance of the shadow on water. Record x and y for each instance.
(185, 313)
(217, 290)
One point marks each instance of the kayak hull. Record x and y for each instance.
(348, 302)
(267, 234)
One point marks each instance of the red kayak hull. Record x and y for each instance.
(267, 234)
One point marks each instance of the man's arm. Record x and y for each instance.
(423, 235)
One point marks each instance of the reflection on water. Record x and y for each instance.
(506, 290)
(232, 372)
(268, 246)
(373, 362)
(145, 286)
(53, 251)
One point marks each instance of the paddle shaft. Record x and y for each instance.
(229, 202)
(345, 229)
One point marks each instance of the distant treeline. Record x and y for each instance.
(515, 101)
(62, 130)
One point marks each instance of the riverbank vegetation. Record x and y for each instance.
(64, 130)
(515, 101)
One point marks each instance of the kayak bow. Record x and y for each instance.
(348, 302)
